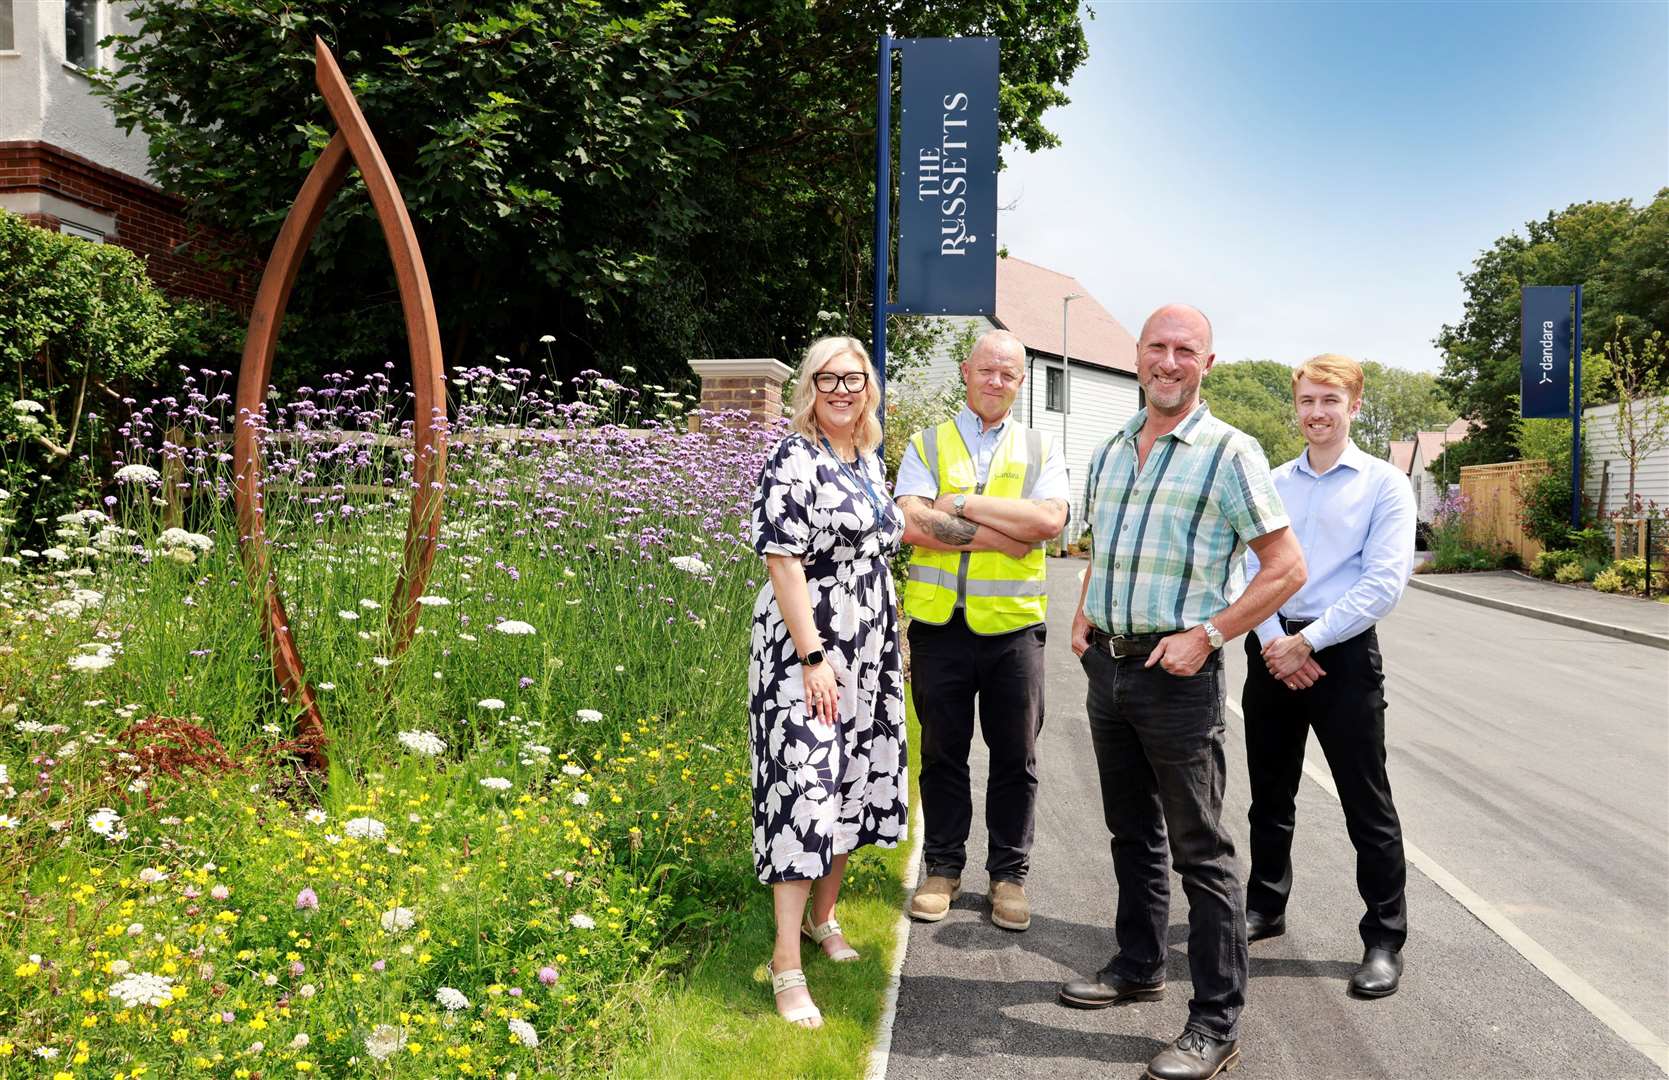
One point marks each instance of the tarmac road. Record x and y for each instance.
(1530, 761)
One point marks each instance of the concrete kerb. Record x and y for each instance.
(880, 1055)
(1639, 637)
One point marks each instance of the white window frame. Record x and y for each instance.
(91, 60)
(70, 228)
(1054, 389)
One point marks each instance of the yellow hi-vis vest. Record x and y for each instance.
(999, 594)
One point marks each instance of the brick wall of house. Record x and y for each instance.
(149, 221)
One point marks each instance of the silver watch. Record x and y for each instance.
(958, 503)
(1213, 635)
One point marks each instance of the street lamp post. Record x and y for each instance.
(1066, 409)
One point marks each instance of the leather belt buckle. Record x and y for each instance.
(1123, 647)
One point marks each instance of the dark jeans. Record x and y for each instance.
(1159, 748)
(950, 666)
(1346, 709)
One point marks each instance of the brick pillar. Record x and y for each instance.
(754, 386)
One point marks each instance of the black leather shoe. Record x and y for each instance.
(1260, 926)
(1379, 975)
(1194, 1057)
(1103, 989)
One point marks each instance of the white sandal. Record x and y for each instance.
(788, 980)
(820, 934)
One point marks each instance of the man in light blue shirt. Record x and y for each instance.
(1316, 665)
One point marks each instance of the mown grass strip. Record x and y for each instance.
(720, 1020)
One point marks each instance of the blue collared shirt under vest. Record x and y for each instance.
(915, 479)
(1167, 540)
(1355, 523)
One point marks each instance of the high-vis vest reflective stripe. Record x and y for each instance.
(999, 594)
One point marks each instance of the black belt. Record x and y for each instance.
(1119, 646)
(1292, 626)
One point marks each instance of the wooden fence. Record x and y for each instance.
(1493, 494)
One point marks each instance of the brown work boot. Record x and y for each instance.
(1009, 906)
(933, 899)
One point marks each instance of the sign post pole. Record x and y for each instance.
(883, 214)
(1576, 417)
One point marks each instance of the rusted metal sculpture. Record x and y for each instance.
(353, 144)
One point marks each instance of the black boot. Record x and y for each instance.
(1379, 975)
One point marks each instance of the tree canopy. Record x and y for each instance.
(1256, 397)
(1617, 252)
(646, 183)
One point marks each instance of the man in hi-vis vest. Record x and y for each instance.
(980, 494)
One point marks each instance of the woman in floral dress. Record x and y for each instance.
(827, 708)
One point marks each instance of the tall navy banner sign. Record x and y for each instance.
(947, 188)
(1544, 372)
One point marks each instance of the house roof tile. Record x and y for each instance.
(1029, 306)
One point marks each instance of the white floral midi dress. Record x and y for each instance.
(823, 790)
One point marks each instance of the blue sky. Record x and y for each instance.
(1314, 176)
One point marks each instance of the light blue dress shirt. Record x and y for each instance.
(1355, 523)
(914, 479)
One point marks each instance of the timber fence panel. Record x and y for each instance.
(1495, 503)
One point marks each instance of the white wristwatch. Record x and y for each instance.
(958, 503)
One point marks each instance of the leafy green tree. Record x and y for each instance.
(1620, 255)
(1396, 403)
(645, 182)
(1256, 397)
(75, 318)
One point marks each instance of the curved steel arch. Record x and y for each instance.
(353, 144)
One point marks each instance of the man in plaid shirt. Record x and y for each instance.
(1175, 499)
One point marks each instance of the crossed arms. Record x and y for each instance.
(988, 523)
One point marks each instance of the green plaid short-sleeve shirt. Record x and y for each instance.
(1167, 542)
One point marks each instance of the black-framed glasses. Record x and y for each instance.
(851, 382)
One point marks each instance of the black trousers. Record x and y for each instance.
(1346, 710)
(951, 667)
(1158, 742)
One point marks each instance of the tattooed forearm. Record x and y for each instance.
(950, 530)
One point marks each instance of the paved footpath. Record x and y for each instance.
(1564, 837)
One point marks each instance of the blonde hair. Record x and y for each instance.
(1333, 370)
(823, 352)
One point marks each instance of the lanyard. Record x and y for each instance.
(861, 475)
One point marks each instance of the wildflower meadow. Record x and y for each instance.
(531, 815)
